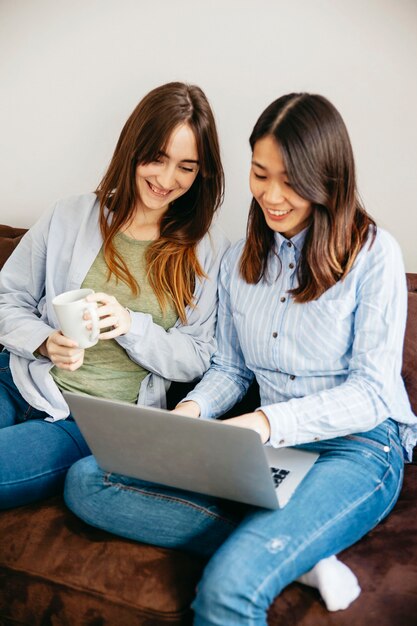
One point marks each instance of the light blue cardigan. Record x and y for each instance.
(55, 256)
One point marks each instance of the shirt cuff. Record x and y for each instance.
(283, 425)
(139, 328)
(36, 340)
(205, 409)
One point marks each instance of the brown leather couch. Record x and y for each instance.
(56, 570)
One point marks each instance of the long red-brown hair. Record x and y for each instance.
(172, 262)
(318, 158)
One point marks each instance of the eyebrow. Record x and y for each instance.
(161, 152)
(258, 165)
(262, 167)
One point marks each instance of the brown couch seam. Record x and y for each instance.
(97, 594)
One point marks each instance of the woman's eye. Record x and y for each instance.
(259, 176)
(186, 169)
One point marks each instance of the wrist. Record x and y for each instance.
(128, 318)
(190, 408)
(263, 426)
(42, 349)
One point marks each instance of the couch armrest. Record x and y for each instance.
(9, 238)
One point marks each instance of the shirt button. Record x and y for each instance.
(283, 298)
(291, 266)
(275, 335)
(292, 377)
(289, 244)
(316, 438)
(281, 442)
(386, 448)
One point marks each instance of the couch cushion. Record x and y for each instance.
(54, 569)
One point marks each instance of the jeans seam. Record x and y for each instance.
(320, 531)
(160, 496)
(42, 474)
(396, 445)
(394, 498)
(27, 412)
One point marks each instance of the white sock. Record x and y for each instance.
(337, 583)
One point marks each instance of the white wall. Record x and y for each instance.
(71, 71)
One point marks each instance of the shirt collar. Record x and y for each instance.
(297, 240)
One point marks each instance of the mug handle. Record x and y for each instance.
(91, 307)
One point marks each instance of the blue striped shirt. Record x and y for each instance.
(325, 368)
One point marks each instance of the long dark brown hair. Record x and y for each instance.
(318, 158)
(172, 263)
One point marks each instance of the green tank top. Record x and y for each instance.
(108, 371)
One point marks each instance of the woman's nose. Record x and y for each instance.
(274, 193)
(166, 178)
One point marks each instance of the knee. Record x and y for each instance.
(83, 480)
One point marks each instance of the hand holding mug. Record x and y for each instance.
(62, 351)
(112, 316)
(70, 308)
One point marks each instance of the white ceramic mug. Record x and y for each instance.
(70, 307)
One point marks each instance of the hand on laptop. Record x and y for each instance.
(257, 421)
(188, 408)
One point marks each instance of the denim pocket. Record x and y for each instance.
(384, 447)
(371, 442)
(382, 437)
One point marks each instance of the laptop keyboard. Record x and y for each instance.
(278, 475)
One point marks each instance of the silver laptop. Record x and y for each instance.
(206, 456)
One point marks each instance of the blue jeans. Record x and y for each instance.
(254, 552)
(34, 455)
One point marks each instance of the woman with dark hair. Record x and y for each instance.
(143, 242)
(312, 305)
